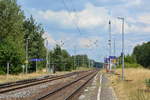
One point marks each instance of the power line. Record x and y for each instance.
(69, 12)
(75, 11)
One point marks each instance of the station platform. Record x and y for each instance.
(99, 89)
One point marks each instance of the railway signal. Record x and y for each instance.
(109, 42)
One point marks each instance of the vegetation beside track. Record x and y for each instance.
(134, 87)
(11, 78)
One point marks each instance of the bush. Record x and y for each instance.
(134, 65)
(147, 83)
(15, 70)
(128, 65)
(2, 72)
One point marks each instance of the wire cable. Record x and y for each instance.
(69, 12)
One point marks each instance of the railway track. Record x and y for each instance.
(68, 90)
(27, 83)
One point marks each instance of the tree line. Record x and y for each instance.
(62, 60)
(15, 31)
(139, 57)
(21, 36)
(142, 54)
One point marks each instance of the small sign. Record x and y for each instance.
(112, 57)
(37, 59)
(106, 60)
(114, 61)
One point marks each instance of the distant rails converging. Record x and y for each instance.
(68, 90)
(60, 87)
(7, 87)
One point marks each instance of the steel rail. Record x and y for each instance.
(28, 84)
(79, 88)
(66, 85)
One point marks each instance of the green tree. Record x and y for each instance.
(11, 35)
(142, 54)
(81, 60)
(36, 48)
(56, 58)
(61, 59)
(130, 59)
(67, 61)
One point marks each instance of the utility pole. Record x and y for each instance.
(23, 66)
(109, 44)
(46, 55)
(114, 47)
(89, 63)
(115, 53)
(27, 61)
(36, 64)
(78, 61)
(122, 19)
(50, 62)
(74, 56)
(83, 60)
(7, 68)
(61, 44)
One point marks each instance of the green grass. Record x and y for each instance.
(128, 65)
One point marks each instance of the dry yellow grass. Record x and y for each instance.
(83, 68)
(11, 78)
(133, 86)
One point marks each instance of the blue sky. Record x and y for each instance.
(84, 23)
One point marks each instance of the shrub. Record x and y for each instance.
(2, 72)
(147, 83)
(128, 65)
(134, 65)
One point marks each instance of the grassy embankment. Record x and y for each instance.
(11, 78)
(133, 88)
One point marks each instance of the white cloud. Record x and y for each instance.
(91, 42)
(146, 29)
(144, 18)
(131, 25)
(60, 17)
(93, 17)
(129, 3)
(90, 17)
(130, 44)
(84, 42)
(49, 38)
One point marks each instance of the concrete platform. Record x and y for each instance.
(100, 89)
